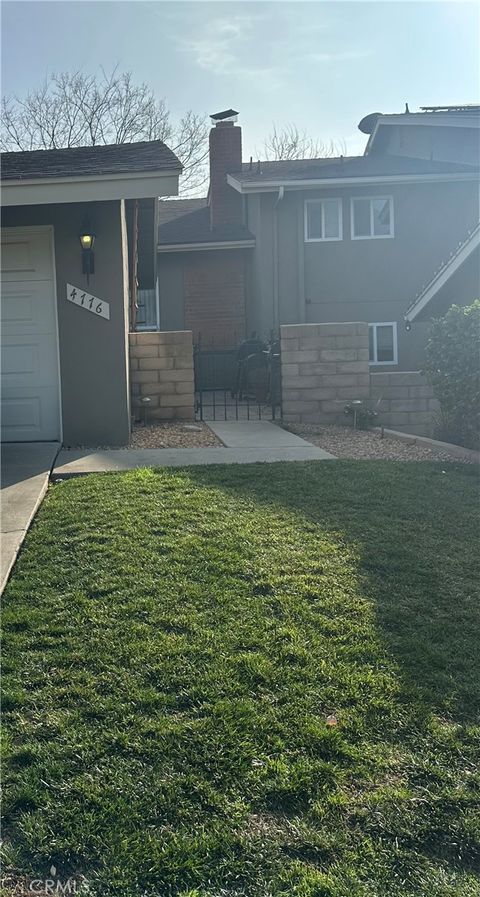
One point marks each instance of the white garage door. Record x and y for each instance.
(30, 390)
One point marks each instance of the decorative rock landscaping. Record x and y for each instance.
(173, 435)
(345, 442)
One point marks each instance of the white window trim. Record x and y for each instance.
(372, 236)
(376, 324)
(309, 202)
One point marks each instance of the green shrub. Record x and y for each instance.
(453, 369)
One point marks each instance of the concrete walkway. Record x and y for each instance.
(256, 433)
(25, 472)
(246, 442)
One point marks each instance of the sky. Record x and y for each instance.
(319, 65)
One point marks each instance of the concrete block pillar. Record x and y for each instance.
(324, 366)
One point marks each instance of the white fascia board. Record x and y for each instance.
(432, 119)
(98, 188)
(444, 275)
(270, 186)
(190, 247)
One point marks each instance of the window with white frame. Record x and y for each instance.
(382, 342)
(371, 217)
(323, 220)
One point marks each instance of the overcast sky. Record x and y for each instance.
(321, 65)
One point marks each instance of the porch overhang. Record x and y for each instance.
(89, 188)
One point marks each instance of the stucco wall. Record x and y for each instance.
(162, 369)
(93, 351)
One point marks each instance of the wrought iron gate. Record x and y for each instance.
(238, 382)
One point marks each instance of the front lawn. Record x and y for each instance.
(259, 680)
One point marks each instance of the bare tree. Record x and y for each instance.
(78, 109)
(290, 143)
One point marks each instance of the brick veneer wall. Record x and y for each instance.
(161, 367)
(405, 401)
(323, 367)
(214, 291)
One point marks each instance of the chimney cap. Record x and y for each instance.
(227, 115)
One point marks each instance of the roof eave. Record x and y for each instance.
(270, 186)
(91, 188)
(194, 247)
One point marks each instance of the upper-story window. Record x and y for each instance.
(372, 217)
(323, 220)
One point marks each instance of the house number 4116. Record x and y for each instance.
(90, 303)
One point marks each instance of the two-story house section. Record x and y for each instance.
(390, 237)
(358, 238)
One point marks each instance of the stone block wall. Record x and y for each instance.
(161, 367)
(405, 401)
(324, 366)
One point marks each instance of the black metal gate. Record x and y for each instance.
(238, 382)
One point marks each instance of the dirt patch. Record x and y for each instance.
(344, 442)
(173, 434)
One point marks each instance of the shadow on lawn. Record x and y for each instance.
(415, 530)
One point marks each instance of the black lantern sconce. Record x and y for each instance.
(87, 240)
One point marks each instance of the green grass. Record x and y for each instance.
(174, 642)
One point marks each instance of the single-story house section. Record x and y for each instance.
(67, 274)
(205, 251)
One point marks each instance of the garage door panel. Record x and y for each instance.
(26, 255)
(24, 416)
(27, 364)
(28, 308)
(22, 411)
(29, 360)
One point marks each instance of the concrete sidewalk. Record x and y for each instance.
(246, 442)
(25, 472)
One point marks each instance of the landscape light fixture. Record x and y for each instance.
(87, 240)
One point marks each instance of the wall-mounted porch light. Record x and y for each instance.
(87, 240)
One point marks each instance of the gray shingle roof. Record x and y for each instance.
(119, 158)
(188, 221)
(344, 167)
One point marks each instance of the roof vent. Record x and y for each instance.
(229, 116)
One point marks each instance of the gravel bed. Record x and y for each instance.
(173, 434)
(344, 442)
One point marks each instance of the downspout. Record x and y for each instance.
(302, 302)
(276, 299)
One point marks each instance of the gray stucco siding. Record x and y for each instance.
(94, 374)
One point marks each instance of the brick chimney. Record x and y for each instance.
(225, 144)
